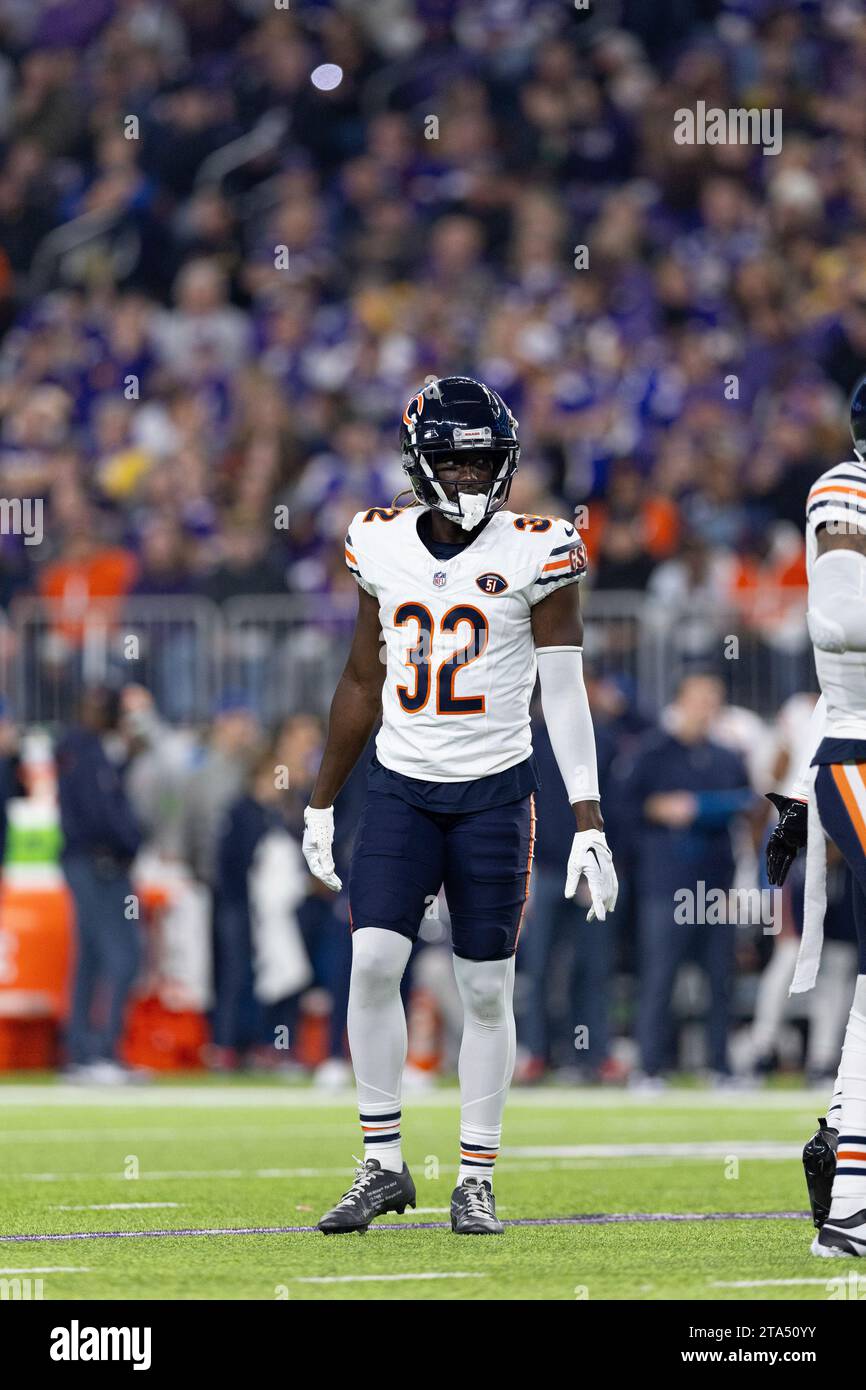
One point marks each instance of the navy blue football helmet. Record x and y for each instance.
(858, 419)
(454, 417)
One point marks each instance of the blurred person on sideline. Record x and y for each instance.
(101, 837)
(575, 1036)
(324, 919)
(681, 791)
(216, 781)
(159, 772)
(261, 961)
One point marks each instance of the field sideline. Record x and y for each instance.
(206, 1190)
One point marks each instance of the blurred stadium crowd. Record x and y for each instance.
(220, 279)
(406, 255)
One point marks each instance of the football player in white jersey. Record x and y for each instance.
(829, 795)
(471, 600)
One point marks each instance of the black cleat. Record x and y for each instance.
(842, 1236)
(373, 1192)
(473, 1209)
(819, 1165)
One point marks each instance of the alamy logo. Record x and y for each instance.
(739, 907)
(738, 126)
(853, 1287)
(21, 1289)
(22, 516)
(77, 1343)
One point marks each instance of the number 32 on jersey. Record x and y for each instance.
(462, 619)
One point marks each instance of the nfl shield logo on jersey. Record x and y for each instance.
(439, 579)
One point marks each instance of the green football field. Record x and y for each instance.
(173, 1183)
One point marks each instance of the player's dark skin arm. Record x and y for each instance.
(356, 705)
(841, 540)
(557, 622)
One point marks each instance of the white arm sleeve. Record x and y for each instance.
(801, 784)
(837, 601)
(569, 722)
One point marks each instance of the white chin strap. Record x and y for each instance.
(472, 508)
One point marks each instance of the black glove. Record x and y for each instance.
(788, 837)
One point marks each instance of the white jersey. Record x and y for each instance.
(460, 658)
(838, 499)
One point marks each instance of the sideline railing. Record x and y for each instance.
(284, 653)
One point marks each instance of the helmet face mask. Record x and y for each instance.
(453, 421)
(468, 470)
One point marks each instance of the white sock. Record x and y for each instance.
(834, 1109)
(486, 1060)
(377, 1038)
(849, 1185)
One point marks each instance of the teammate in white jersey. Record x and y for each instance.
(470, 600)
(832, 784)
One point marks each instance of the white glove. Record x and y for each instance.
(318, 845)
(591, 859)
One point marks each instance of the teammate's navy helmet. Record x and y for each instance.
(858, 419)
(454, 415)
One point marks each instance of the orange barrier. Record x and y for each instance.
(28, 1044)
(164, 1039)
(312, 1041)
(155, 1036)
(35, 951)
(35, 965)
(424, 1028)
(36, 954)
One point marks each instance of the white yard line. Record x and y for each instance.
(188, 1096)
(741, 1148)
(280, 1133)
(119, 1206)
(378, 1278)
(767, 1283)
(623, 1155)
(159, 1175)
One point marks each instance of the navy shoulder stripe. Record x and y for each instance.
(836, 502)
(828, 478)
(564, 549)
(561, 578)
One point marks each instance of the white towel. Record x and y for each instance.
(277, 883)
(814, 898)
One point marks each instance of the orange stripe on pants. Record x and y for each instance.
(529, 859)
(854, 813)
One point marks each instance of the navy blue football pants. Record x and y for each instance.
(844, 822)
(403, 855)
